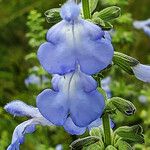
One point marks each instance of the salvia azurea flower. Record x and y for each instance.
(34, 79)
(75, 41)
(74, 95)
(18, 108)
(144, 25)
(142, 72)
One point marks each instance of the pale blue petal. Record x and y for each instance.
(71, 128)
(53, 106)
(19, 108)
(147, 30)
(98, 56)
(55, 59)
(19, 133)
(55, 81)
(86, 107)
(142, 72)
(107, 36)
(71, 95)
(82, 43)
(70, 11)
(96, 123)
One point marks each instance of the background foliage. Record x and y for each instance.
(23, 27)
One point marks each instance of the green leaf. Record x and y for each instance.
(98, 21)
(53, 15)
(125, 62)
(110, 147)
(30, 56)
(97, 131)
(93, 5)
(123, 145)
(121, 105)
(84, 142)
(107, 26)
(96, 146)
(131, 134)
(108, 13)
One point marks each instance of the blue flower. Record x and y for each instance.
(144, 25)
(71, 128)
(74, 95)
(75, 41)
(105, 83)
(36, 80)
(143, 99)
(59, 147)
(142, 72)
(33, 79)
(18, 108)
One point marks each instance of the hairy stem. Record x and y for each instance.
(107, 131)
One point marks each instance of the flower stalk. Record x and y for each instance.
(86, 9)
(105, 118)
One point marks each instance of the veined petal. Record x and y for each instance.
(19, 108)
(142, 72)
(53, 106)
(24, 128)
(78, 42)
(56, 59)
(92, 105)
(19, 132)
(71, 128)
(74, 91)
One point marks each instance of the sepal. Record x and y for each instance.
(84, 142)
(93, 5)
(131, 135)
(53, 15)
(120, 104)
(123, 145)
(110, 147)
(125, 62)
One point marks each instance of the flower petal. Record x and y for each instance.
(55, 59)
(80, 42)
(142, 72)
(97, 56)
(19, 132)
(19, 108)
(71, 128)
(70, 11)
(86, 107)
(53, 106)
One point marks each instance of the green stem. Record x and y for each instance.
(105, 121)
(106, 127)
(86, 9)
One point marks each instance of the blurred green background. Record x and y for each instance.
(22, 29)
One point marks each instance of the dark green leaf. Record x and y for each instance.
(93, 5)
(110, 147)
(131, 134)
(53, 15)
(80, 143)
(108, 13)
(120, 104)
(123, 145)
(125, 62)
